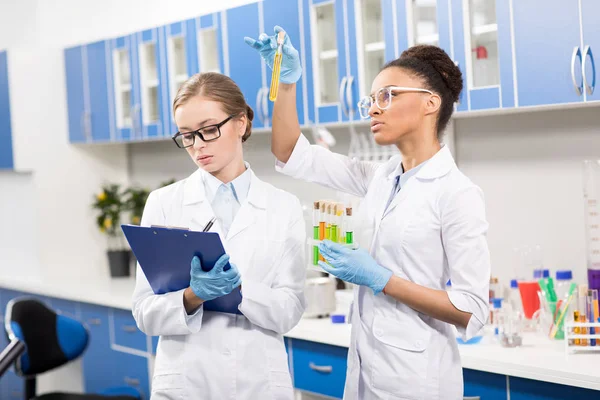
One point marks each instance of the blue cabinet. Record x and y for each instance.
(244, 65)
(126, 333)
(6, 148)
(484, 385)
(331, 53)
(527, 389)
(98, 367)
(319, 368)
(131, 370)
(590, 10)
(88, 93)
(547, 51)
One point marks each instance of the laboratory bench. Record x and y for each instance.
(118, 354)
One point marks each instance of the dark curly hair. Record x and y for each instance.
(439, 73)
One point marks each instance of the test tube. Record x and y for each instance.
(576, 329)
(349, 228)
(334, 224)
(316, 223)
(322, 224)
(328, 221)
(341, 237)
(582, 305)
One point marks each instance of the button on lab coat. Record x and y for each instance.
(433, 229)
(211, 355)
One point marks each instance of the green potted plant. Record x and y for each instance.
(110, 207)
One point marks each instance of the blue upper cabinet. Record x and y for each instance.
(182, 62)
(590, 10)
(6, 151)
(242, 63)
(88, 96)
(289, 15)
(548, 52)
(333, 56)
(151, 75)
(125, 88)
(482, 47)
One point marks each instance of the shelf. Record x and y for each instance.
(328, 55)
(484, 29)
(372, 47)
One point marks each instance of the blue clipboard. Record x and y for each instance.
(165, 256)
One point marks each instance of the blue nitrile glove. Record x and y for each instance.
(291, 69)
(354, 266)
(216, 282)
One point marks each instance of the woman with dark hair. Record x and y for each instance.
(205, 354)
(421, 223)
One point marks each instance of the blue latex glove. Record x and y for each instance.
(291, 69)
(354, 266)
(216, 282)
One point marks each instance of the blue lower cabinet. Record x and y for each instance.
(65, 307)
(154, 344)
(6, 147)
(8, 295)
(12, 386)
(98, 367)
(484, 385)
(131, 370)
(126, 332)
(319, 368)
(528, 389)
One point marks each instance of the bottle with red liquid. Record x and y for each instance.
(528, 288)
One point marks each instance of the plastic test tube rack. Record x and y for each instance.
(570, 336)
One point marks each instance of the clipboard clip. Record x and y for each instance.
(170, 227)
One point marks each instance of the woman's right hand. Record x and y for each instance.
(291, 69)
(216, 282)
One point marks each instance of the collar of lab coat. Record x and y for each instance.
(194, 191)
(437, 166)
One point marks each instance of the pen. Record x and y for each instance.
(209, 225)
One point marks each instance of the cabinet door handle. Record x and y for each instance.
(130, 328)
(587, 51)
(349, 100)
(325, 369)
(574, 57)
(131, 381)
(341, 94)
(94, 321)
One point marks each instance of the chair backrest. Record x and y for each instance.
(51, 339)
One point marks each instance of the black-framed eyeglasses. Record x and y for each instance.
(206, 134)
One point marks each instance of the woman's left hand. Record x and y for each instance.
(354, 266)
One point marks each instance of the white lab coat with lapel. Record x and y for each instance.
(434, 229)
(211, 355)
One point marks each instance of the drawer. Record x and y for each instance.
(485, 385)
(126, 333)
(319, 368)
(12, 386)
(132, 371)
(97, 366)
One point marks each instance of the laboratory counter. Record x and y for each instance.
(539, 359)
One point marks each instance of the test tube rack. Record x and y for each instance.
(314, 242)
(571, 336)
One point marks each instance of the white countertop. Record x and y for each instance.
(538, 358)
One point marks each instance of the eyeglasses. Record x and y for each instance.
(206, 134)
(383, 98)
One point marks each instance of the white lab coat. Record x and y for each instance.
(434, 229)
(211, 355)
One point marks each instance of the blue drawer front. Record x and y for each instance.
(485, 385)
(132, 371)
(66, 308)
(319, 368)
(154, 344)
(527, 389)
(97, 365)
(12, 386)
(126, 332)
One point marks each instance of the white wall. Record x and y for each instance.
(529, 167)
(64, 177)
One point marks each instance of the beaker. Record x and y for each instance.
(591, 203)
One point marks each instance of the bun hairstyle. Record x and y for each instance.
(219, 88)
(439, 74)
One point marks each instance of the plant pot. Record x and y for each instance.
(119, 263)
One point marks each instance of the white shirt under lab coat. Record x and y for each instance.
(434, 229)
(210, 355)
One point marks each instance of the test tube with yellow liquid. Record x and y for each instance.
(276, 67)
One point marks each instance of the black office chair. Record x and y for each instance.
(42, 340)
